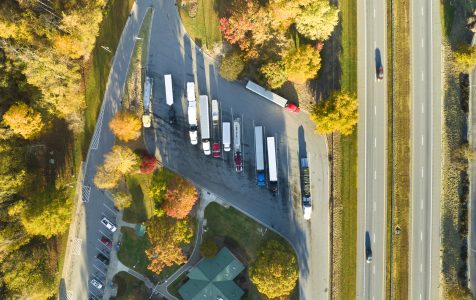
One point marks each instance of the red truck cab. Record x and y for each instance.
(216, 151)
(293, 107)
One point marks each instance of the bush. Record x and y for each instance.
(208, 248)
(149, 162)
(232, 65)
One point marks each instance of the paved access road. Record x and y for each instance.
(172, 52)
(372, 161)
(426, 145)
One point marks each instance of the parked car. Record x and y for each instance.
(101, 257)
(106, 242)
(108, 224)
(97, 284)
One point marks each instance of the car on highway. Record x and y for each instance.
(106, 242)
(102, 258)
(109, 225)
(97, 284)
(368, 254)
(380, 73)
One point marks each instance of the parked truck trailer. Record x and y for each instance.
(237, 157)
(205, 124)
(276, 99)
(272, 165)
(147, 115)
(192, 113)
(306, 189)
(259, 150)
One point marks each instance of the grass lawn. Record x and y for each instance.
(397, 277)
(132, 251)
(142, 207)
(345, 169)
(204, 27)
(129, 287)
(244, 233)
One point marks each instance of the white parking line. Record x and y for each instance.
(86, 192)
(422, 78)
(112, 210)
(375, 175)
(104, 234)
(422, 171)
(102, 251)
(374, 13)
(422, 15)
(421, 235)
(374, 237)
(421, 204)
(375, 109)
(99, 270)
(421, 268)
(422, 108)
(422, 42)
(375, 142)
(422, 139)
(76, 248)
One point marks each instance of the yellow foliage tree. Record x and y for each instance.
(337, 113)
(125, 126)
(465, 58)
(317, 20)
(275, 270)
(23, 120)
(120, 161)
(302, 64)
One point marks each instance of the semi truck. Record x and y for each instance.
(147, 115)
(205, 124)
(192, 113)
(237, 157)
(226, 136)
(272, 165)
(169, 98)
(306, 189)
(276, 99)
(260, 172)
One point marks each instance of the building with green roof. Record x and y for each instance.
(212, 278)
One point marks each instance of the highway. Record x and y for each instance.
(426, 145)
(372, 163)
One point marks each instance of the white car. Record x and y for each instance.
(108, 224)
(96, 284)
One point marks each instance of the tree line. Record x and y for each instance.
(43, 48)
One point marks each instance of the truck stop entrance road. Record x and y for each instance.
(172, 52)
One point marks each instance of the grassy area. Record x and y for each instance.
(132, 251)
(142, 207)
(344, 241)
(129, 287)
(204, 27)
(398, 153)
(240, 234)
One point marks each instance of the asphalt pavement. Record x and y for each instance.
(172, 52)
(426, 149)
(372, 162)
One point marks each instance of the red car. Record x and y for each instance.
(106, 242)
(293, 107)
(216, 151)
(380, 73)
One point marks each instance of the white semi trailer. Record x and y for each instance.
(192, 113)
(276, 99)
(306, 189)
(205, 124)
(147, 115)
(272, 165)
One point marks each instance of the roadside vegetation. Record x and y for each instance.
(457, 20)
(398, 153)
(47, 56)
(344, 169)
(130, 287)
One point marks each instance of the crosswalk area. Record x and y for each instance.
(86, 193)
(76, 248)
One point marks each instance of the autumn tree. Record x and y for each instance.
(23, 120)
(47, 214)
(179, 198)
(125, 126)
(208, 248)
(119, 162)
(465, 58)
(302, 64)
(122, 200)
(337, 113)
(27, 273)
(13, 173)
(275, 74)
(317, 20)
(148, 164)
(166, 237)
(275, 271)
(232, 65)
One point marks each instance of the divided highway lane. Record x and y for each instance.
(426, 144)
(372, 161)
(172, 52)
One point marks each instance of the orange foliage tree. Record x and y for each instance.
(179, 198)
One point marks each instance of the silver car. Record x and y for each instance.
(97, 284)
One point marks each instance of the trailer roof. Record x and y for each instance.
(191, 91)
(147, 93)
(266, 94)
(259, 148)
(204, 117)
(169, 97)
(273, 171)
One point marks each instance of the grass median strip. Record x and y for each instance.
(398, 154)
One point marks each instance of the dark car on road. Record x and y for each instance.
(101, 257)
(106, 242)
(368, 254)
